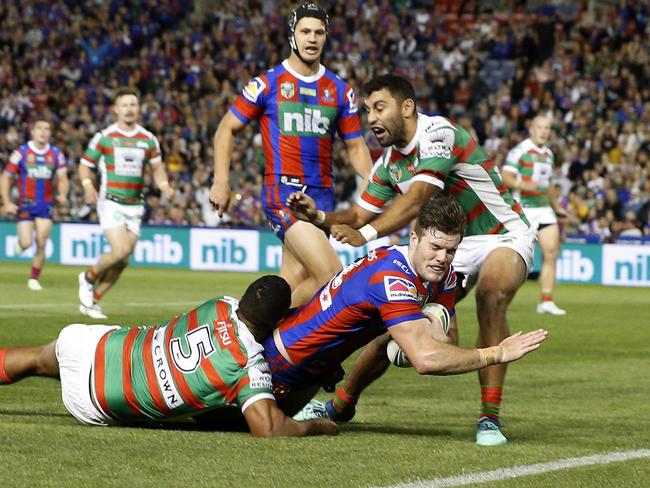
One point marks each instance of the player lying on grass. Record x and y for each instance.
(207, 358)
(383, 292)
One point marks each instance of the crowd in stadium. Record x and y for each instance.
(490, 72)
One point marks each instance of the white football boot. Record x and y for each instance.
(550, 307)
(86, 291)
(94, 312)
(34, 285)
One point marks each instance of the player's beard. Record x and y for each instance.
(396, 131)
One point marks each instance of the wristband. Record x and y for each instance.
(490, 355)
(368, 232)
(320, 217)
(86, 182)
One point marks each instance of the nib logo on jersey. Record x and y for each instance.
(227, 250)
(302, 119)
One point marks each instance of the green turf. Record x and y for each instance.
(584, 392)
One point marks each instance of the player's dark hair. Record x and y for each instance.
(441, 212)
(265, 302)
(400, 88)
(39, 118)
(125, 90)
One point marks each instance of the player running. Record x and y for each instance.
(300, 105)
(208, 358)
(384, 291)
(527, 171)
(36, 164)
(426, 155)
(121, 152)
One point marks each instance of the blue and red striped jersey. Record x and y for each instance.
(35, 170)
(299, 116)
(370, 295)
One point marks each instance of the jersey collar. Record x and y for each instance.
(116, 128)
(306, 79)
(40, 152)
(404, 251)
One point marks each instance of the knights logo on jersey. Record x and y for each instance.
(327, 96)
(253, 89)
(352, 101)
(395, 171)
(287, 90)
(400, 289)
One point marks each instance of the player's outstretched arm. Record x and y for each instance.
(431, 357)
(265, 419)
(304, 208)
(224, 141)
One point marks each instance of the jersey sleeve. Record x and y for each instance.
(395, 296)
(153, 154)
(512, 160)
(379, 190)
(436, 154)
(12, 165)
(250, 104)
(254, 385)
(93, 152)
(61, 162)
(349, 124)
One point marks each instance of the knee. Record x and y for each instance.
(123, 253)
(551, 254)
(493, 297)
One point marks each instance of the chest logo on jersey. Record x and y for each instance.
(400, 289)
(326, 96)
(310, 92)
(31, 158)
(395, 171)
(223, 329)
(300, 119)
(39, 172)
(287, 90)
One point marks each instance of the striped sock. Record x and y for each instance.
(91, 276)
(546, 296)
(342, 400)
(491, 401)
(4, 377)
(36, 272)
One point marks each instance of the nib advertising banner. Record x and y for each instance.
(259, 250)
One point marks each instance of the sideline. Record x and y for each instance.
(527, 470)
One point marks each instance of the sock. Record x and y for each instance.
(546, 296)
(491, 401)
(342, 400)
(91, 276)
(97, 296)
(36, 272)
(4, 377)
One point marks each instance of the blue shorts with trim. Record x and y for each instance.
(36, 211)
(279, 216)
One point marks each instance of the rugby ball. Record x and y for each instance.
(396, 356)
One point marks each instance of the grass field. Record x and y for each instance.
(586, 391)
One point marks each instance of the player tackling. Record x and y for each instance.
(208, 358)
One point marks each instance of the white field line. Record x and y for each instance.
(527, 469)
(16, 306)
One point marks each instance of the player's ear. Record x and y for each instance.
(408, 108)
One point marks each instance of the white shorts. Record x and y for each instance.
(75, 352)
(112, 214)
(473, 251)
(538, 216)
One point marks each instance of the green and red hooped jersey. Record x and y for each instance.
(445, 155)
(197, 361)
(531, 163)
(121, 158)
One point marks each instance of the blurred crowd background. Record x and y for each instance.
(488, 65)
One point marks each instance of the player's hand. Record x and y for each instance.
(529, 186)
(347, 235)
(303, 207)
(90, 194)
(520, 344)
(10, 208)
(168, 192)
(561, 213)
(220, 197)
